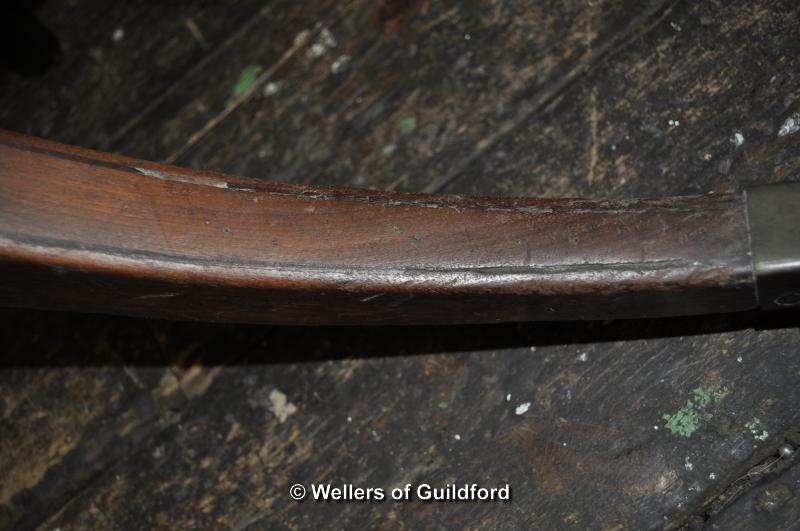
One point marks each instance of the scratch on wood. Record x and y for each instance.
(157, 296)
(593, 127)
(182, 178)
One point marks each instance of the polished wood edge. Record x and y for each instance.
(74, 213)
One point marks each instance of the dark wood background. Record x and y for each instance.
(129, 423)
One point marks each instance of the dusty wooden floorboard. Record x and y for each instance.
(193, 100)
(387, 420)
(770, 505)
(117, 385)
(102, 83)
(697, 105)
(115, 421)
(388, 105)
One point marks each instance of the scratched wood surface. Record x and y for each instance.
(119, 423)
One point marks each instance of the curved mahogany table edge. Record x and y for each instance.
(87, 231)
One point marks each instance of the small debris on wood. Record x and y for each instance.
(271, 88)
(280, 406)
(340, 64)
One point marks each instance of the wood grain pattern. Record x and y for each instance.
(88, 231)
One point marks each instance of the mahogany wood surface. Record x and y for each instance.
(83, 230)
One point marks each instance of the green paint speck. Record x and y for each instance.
(684, 421)
(246, 80)
(687, 419)
(407, 125)
(757, 429)
(701, 397)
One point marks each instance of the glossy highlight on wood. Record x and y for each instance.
(88, 231)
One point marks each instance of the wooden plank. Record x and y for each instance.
(771, 505)
(103, 81)
(399, 103)
(697, 105)
(72, 404)
(277, 31)
(592, 450)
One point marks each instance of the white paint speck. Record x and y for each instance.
(457, 437)
(523, 408)
(271, 88)
(280, 406)
(712, 476)
(655, 428)
(158, 452)
(326, 38)
(349, 419)
(790, 126)
(118, 35)
(583, 357)
(467, 36)
(508, 397)
(533, 349)
(340, 63)
(739, 359)
(324, 42)
(675, 26)
(737, 139)
(315, 50)
(687, 464)
(673, 123)
(563, 444)
(301, 38)
(388, 149)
